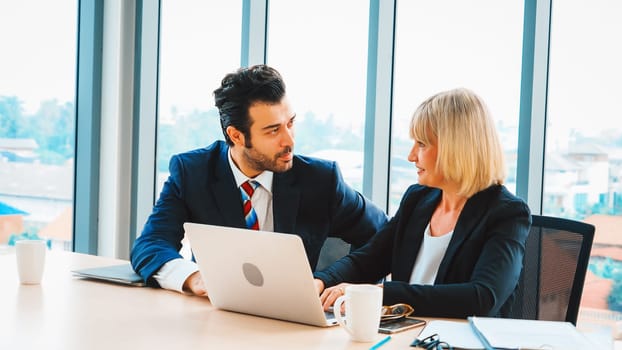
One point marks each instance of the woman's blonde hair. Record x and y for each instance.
(469, 150)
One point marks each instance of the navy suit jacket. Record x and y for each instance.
(310, 200)
(479, 271)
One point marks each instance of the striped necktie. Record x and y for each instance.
(247, 189)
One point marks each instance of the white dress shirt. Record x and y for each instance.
(174, 273)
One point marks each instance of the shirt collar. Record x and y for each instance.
(264, 179)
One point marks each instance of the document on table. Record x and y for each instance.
(504, 333)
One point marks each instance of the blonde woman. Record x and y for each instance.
(456, 244)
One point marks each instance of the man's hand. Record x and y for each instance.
(194, 284)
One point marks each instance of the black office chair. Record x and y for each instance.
(332, 250)
(556, 258)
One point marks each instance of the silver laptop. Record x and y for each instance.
(257, 272)
(119, 273)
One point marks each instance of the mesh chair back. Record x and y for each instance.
(554, 267)
(333, 249)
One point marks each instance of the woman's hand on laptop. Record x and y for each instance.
(329, 295)
(194, 284)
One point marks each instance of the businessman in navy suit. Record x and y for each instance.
(291, 193)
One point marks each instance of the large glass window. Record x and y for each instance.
(200, 42)
(583, 162)
(320, 48)
(441, 45)
(37, 120)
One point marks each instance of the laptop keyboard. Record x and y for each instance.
(329, 315)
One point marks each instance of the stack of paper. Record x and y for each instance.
(506, 333)
(503, 333)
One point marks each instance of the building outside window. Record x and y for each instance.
(37, 120)
(582, 177)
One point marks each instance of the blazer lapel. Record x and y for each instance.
(285, 201)
(226, 193)
(469, 217)
(414, 228)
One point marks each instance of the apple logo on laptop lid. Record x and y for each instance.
(252, 274)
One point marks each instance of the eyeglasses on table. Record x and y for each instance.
(394, 312)
(432, 342)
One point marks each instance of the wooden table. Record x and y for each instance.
(65, 312)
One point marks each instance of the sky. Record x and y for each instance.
(321, 47)
(198, 47)
(38, 59)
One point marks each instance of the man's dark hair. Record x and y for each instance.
(239, 90)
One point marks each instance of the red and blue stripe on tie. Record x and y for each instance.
(247, 189)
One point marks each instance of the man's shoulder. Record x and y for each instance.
(313, 168)
(313, 162)
(204, 154)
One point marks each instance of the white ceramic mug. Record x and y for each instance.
(363, 304)
(30, 260)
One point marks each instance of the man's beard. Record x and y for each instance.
(261, 162)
